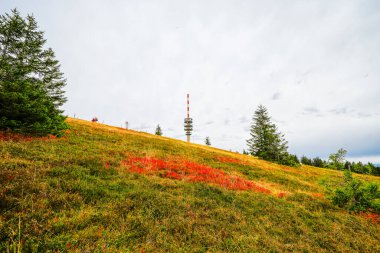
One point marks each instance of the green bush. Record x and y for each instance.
(290, 160)
(357, 196)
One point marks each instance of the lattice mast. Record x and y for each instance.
(188, 121)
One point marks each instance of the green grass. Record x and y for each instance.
(73, 195)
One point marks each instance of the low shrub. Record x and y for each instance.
(357, 196)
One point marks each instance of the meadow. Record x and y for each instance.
(105, 189)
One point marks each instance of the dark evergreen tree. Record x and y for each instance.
(358, 167)
(347, 166)
(376, 171)
(158, 130)
(318, 162)
(295, 157)
(30, 79)
(266, 141)
(368, 168)
(353, 167)
(305, 160)
(291, 160)
(207, 141)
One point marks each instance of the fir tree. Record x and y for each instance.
(158, 130)
(30, 80)
(207, 141)
(318, 162)
(266, 141)
(306, 161)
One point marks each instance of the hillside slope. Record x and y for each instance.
(105, 189)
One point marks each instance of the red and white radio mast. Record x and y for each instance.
(188, 121)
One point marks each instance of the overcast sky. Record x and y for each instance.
(314, 65)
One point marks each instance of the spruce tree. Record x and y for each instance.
(30, 79)
(266, 141)
(158, 130)
(207, 141)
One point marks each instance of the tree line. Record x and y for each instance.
(268, 143)
(357, 167)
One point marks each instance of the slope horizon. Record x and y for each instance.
(364, 159)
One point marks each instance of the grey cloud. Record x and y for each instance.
(302, 77)
(364, 115)
(142, 127)
(339, 111)
(283, 122)
(276, 96)
(197, 137)
(310, 110)
(243, 119)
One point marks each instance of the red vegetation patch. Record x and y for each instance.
(373, 217)
(181, 169)
(106, 165)
(318, 195)
(281, 195)
(231, 160)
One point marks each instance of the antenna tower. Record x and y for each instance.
(188, 121)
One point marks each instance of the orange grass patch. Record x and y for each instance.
(9, 136)
(373, 217)
(318, 195)
(231, 160)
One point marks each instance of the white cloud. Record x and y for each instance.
(314, 64)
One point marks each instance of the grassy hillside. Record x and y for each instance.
(105, 189)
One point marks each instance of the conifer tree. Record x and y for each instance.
(207, 141)
(158, 130)
(30, 79)
(266, 141)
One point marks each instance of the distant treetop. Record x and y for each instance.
(158, 130)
